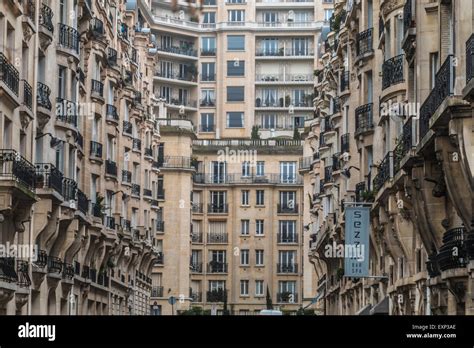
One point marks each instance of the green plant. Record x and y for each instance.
(296, 134)
(99, 206)
(287, 100)
(269, 300)
(255, 135)
(368, 196)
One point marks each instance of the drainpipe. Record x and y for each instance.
(428, 301)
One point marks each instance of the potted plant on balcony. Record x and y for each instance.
(255, 135)
(287, 100)
(258, 102)
(281, 51)
(296, 134)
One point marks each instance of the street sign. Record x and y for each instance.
(172, 300)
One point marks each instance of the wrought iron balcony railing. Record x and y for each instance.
(287, 208)
(66, 111)
(196, 267)
(218, 208)
(364, 42)
(27, 95)
(157, 291)
(453, 239)
(345, 80)
(160, 226)
(195, 296)
(97, 27)
(68, 37)
(111, 113)
(135, 190)
(345, 142)
(68, 271)
(109, 222)
(287, 267)
(287, 297)
(364, 118)
(392, 71)
(7, 270)
(136, 144)
(46, 18)
(42, 96)
(110, 167)
(82, 202)
(96, 149)
(305, 162)
(188, 51)
(197, 208)
(9, 75)
(408, 17)
(15, 167)
(97, 87)
(196, 237)
(287, 238)
(23, 271)
(216, 267)
(111, 56)
(127, 127)
(147, 193)
(55, 264)
(48, 176)
(444, 87)
(176, 162)
(219, 295)
(218, 238)
(470, 59)
(41, 259)
(126, 176)
(385, 171)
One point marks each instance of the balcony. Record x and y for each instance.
(126, 176)
(48, 177)
(16, 168)
(287, 297)
(97, 88)
(218, 208)
(196, 267)
(385, 171)
(216, 267)
(408, 16)
(470, 59)
(179, 103)
(148, 152)
(66, 112)
(219, 295)
(157, 291)
(69, 189)
(453, 239)
(160, 194)
(176, 76)
(68, 37)
(126, 224)
(147, 193)
(175, 50)
(305, 163)
(55, 264)
(42, 97)
(208, 102)
(127, 127)
(196, 237)
(285, 78)
(136, 190)
(304, 52)
(111, 57)
(287, 268)
(9, 75)
(27, 95)
(97, 28)
(209, 77)
(110, 168)
(287, 208)
(123, 31)
(217, 238)
(136, 145)
(68, 271)
(287, 238)
(208, 52)
(238, 178)
(176, 162)
(109, 222)
(23, 272)
(195, 296)
(82, 202)
(364, 42)
(364, 119)
(392, 71)
(42, 259)
(96, 149)
(46, 18)
(7, 270)
(444, 87)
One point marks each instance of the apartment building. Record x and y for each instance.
(393, 130)
(79, 145)
(235, 77)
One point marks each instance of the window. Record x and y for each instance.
(235, 94)
(236, 1)
(287, 232)
(62, 83)
(218, 199)
(207, 122)
(300, 46)
(259, 288)
(218, 172)
(268, 121)
(328, 14)
(270, 18)
(244, 288)
(209, 2)
(259, 228)
(244, 227)
(208, 97)
(208, 71)
(236, 43)
(260, 168)
(236, 16)
(235, 120)
(245, 197)
(287, 288)
(433, 68)
(215, 285)
(208, 46)
(235, 68)
(288, 172)
(287, 199)
(259, 257)
(245, 168)
(209, 18)
(270, 97)
(260, 197)
(244, 257)
(270, 47)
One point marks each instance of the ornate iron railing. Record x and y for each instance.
(364, 42)
(364, 118)
(392, 71)
(15, 167)
(9, 74)
(68, 37)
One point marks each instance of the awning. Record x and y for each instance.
(380, 308)
(365, 310)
